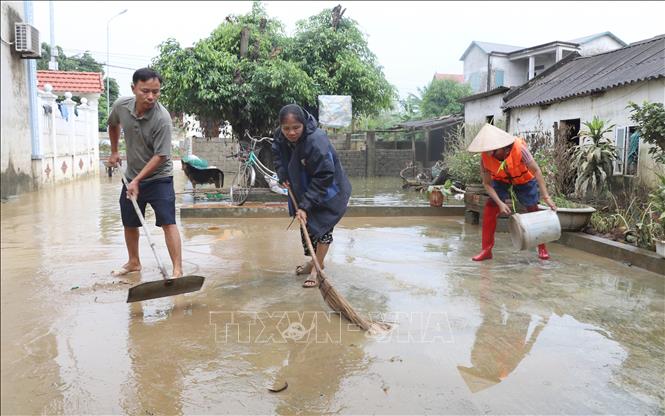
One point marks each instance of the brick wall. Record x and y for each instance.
(353, 162)
(390, 162)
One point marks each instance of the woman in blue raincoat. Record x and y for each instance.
(305, 159)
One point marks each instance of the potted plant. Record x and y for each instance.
(572, 215)
(436, 194)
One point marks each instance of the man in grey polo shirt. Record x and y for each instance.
(147, 127)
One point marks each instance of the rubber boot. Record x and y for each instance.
(542, 250)
(490, 215)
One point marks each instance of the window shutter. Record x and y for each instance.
(620, 142)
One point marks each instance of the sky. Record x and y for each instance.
(412, 40)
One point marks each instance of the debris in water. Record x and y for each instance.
(213, 228)
(279, 385)
(74, 288)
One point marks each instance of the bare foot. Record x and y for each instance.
(126, 269)
(176, 274)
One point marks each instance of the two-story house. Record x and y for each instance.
(491, 65)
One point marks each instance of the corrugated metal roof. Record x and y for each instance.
(71, 81)
(432, 123)
(488, 47)
(589, 38)
(637, 62)
(498, 47)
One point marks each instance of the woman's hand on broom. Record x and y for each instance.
(302, 216)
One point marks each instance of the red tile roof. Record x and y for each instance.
(453, 77)
(70, 81)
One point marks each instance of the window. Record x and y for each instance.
(489, 120)
(627, 142)
(498, 78)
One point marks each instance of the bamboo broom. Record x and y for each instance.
(330, 295)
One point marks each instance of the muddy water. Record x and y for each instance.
(578, 334)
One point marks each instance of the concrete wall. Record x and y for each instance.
(475, 69)
(354, 162)
(475, 111)
(599, 45)
(608, 106)
(16, 147)
(514, 72)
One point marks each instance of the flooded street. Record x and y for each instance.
(579, 334)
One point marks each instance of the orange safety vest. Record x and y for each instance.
(512, 170)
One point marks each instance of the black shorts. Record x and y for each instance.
(326, 238)
(159, 194)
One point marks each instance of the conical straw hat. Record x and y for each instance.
(490, 138)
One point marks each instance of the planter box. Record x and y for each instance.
(573, 219)
(660, 247)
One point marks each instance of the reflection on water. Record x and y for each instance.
(384, 191)
(515, 335)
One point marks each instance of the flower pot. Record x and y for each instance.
(573, 219)
(435, 198)
(660, 247)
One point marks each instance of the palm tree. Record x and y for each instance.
(594, 159)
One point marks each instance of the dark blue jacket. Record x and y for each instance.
(316, 177)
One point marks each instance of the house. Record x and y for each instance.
(83, 84)
(459, 78)
(43, 142)
(581, 87)
(488, 66)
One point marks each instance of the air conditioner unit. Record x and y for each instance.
(26, 41)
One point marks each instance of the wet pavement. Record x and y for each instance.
(578, 334)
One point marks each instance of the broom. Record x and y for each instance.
(330, 295)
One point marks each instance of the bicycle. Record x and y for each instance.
(248, 165)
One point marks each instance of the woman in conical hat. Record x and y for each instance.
(506, 161)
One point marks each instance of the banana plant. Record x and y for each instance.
(594, 157)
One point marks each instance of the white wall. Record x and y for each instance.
(476, 63)
(70, 146)
(475, 111)
(599, 45)
(16, 147)
(608, 106)
(514, 72)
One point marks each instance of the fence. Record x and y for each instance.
(69, 138)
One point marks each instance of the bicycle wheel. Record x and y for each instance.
(242, 183)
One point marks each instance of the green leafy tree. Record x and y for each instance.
(594, 158)
(650, 119)
(85, 63)
(238, 74)
(410, 107)
(441, 97)
(247, 69)
(334, 53)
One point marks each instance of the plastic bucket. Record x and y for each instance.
(533, 228)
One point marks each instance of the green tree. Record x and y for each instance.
(650, 119)
(85, 63)
(220, 78)
(247, 69)
(333, 51)
(441, 97)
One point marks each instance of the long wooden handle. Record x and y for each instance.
(162, 269)
(303, 227)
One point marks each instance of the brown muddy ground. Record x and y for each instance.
(578, 334)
